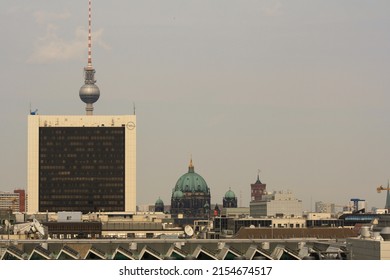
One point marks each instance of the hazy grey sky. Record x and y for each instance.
(298, 89)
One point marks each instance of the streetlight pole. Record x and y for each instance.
(9, 221)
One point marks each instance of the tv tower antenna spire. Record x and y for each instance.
(89, 92)
(89, 34)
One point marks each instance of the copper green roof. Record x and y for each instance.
(178, 194)
(191, 182)
(230, 194)
(159, 202)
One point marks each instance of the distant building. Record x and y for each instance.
(70, 229)
(229, 200)
(237, 212)
(276, 204)
(22, 199)
(145, 208)
(15, 201)
(234, 224)
(322, 207)
(10, 201)
(191, 196)
(322, 220)
(159, 205)
(257, 190)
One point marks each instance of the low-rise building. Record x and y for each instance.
(10, 201)
(324, 207)
(276, 204)
(233, 225)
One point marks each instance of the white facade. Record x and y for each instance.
(318, 216)
(37, 121)
(235, 212)
(69, 216)
(323, 207)
(381, 211)
(289, 222)
(276, 204)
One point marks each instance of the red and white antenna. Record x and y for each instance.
(89, 92)
(90, 34)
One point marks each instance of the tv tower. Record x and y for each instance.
(89, 92)
(110, 190)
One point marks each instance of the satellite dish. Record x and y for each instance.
(38, 227)
(189, 231)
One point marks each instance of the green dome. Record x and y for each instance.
(159, 202)
(230, 194)
(191, 182)
(178, 194)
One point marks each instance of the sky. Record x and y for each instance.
(299, 90)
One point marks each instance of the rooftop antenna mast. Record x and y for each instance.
(89, 92)
(35, 112)
(89, 35)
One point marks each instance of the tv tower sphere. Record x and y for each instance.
(89, 93)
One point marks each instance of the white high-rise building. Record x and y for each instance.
(81, 163)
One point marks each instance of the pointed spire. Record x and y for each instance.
(387, 206)
(191, 166)
(258, 177)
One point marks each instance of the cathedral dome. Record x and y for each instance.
(191, 196)
(191, 182)
(230, 194)
(159, 202)
(159, 205)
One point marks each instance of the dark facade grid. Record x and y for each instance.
(81, 169)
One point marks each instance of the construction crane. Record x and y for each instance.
(380, 188)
